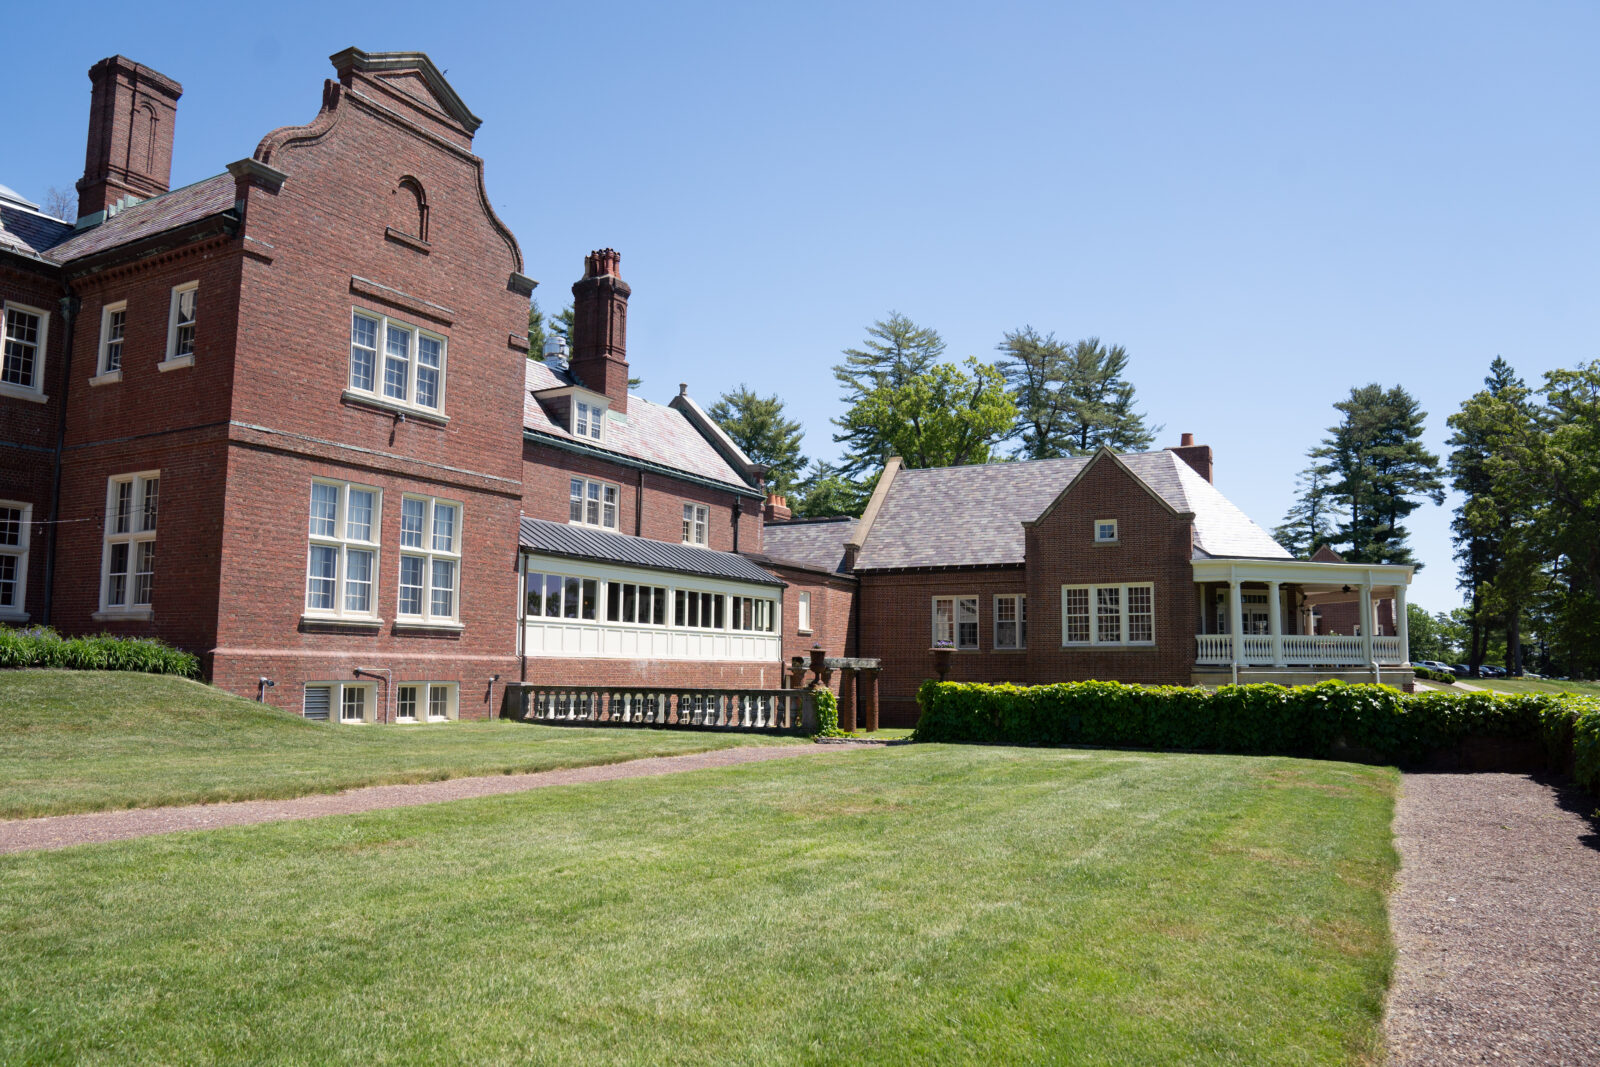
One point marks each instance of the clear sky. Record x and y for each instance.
(1266, 204)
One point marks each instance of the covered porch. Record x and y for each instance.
(1257, 620)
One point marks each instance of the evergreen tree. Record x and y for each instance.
(537, 334)
(895, 351)
(1376, 466)
(946, 417)
(1071, 399)
(1308, 524)
(824, 492)
(757, 426)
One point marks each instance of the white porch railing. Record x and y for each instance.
(1299, 651)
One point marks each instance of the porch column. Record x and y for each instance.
(1236, 625)
(1400, 628)
(1366, 621)
(1275, 621)
(847, 700)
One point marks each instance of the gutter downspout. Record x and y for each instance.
(388, 686)
(738, 510)
(69, 311)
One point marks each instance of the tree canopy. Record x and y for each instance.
(895, 351)
(944, 417)
(758, 426)
(1071, 399)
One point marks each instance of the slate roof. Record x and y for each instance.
(973, 516)
(583, 542)
(815, 543)
(24, 228)
(650, 432)
(148, 217)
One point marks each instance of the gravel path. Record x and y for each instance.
(60, 831)
(1497, 921)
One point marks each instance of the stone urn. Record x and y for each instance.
(941, 662)
(818, 654)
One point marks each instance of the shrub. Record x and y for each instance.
(41, 646)
(1435, 676)
(1328, 719)
(827, 713)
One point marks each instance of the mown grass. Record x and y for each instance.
(909, 905)
(74, 741)
(1535, 685)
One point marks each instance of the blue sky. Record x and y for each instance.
(1266, 204)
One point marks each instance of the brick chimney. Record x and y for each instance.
(599, 356)
(777, 509)
(1196, 456)
(131, 113)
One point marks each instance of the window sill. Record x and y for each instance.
(594, 526)
(21, 393)
(1107, 544)
(176, 363)
(805, 633)
(427, 626)
(335, 622)
(124, 615)
(352, 396)
(1023, 649)
(13, 615)
(392, 234)
(110, 377)
(1110, 646)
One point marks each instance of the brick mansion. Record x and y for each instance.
(391, 509)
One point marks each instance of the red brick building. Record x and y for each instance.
(285, 417)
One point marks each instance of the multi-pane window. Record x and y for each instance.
(425, 701)
(342, 562)
(592, 503)
(562, 596)
(1105, 531)
(22, 367)
(955, 622)
(113, 324)
(1108, 614)
(696, 521)
(698, 610)
(181, 322)
(802, 613)
(14, 530)
(588, 420)
(396, 361)
(350, 702)
(129, 559)
(1011, 621)
(430, 558)
(642, 604)
(753, 613)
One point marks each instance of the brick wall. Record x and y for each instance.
(833, 624)
(649, 673)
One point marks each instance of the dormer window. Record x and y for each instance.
(588, 419)
(1105, 531)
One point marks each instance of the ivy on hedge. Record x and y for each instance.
(827, 713)
(1330, 719)
(41, 646)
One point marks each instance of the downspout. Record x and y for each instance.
(522, 615)
(738, 510)
(69, 312)
(388, 686)
(638, 506)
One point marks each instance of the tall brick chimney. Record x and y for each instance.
(131, 113)
(599, 356)
(1196, 456)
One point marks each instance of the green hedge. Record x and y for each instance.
(41, 646)
(1328, 719)
(827, 713)
(1435, 676)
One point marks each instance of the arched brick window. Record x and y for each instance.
(410, 213)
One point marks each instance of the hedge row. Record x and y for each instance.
(1435, 676)
(43, 647)
(1330, 719)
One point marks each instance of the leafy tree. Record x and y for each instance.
(945, 417)
(1308, 524)
(1071, 399)
(757, 425)
(1376, 468)
(1429, 635)
(895, 351)
(824, 491)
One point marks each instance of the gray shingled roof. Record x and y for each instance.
(651, 432)
(973, 516)
(24, 227)
(583, 542)
(817, 543)
(148, 217)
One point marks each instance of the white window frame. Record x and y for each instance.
(1019, 618)
(343, 545)
(1099, 532)
(957, 602)
(34, 390)
(802, 613)
(176, 359)
(1123, 615)
(336, 692)
(105, 373)
(17, 610)
(423, 701)
(141, 531)
(563, 580)
(641, 592)
(584, 497)
(696, 524)
(429, 552)
(378, 393)
(588, 418)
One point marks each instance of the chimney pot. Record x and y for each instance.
(777, 509)
(1187, 441)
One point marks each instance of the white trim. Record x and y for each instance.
(429, 553)
(343, 545)
(174, 358)
(956, 600)
(1100, 540)
(422, 709)
(584, 498)
(1021, 621)
(594, 412)
(802, 613)
(17, 610)
(110, 377)
(376, 389)
(1123, 614)
(336, 693)
(141, 530)
(696, 521)
(34, 390)
(104, 374)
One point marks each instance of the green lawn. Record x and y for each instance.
(1532, 685)
(908, 905)
(89, 740)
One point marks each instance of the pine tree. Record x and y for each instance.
(896, 350)
(824, 492)
(1071, 399)
(757, 425)
(537, 335)
(1308, 524)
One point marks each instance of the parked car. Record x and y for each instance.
(1489, 670)
(1460, 670)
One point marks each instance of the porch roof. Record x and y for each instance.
(581, 542)
(1328, 577)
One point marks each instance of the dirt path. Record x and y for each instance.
(60, 831)
(1497, 921)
